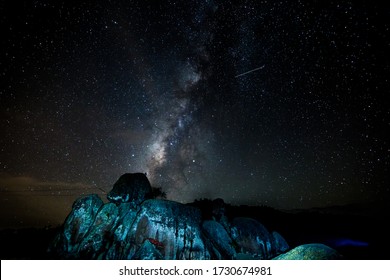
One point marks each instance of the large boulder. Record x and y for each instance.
(130, 187)
(314, 251)
(156, 229)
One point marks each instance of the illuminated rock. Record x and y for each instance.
(148, 251)
(76, 226)
(173, 225)
(93, 245)
(315, 251)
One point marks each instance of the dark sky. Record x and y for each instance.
(91, 91)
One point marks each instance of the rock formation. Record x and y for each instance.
(131, 226)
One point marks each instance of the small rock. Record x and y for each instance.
(314, 251)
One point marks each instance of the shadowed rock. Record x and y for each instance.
(252, 238)
(279, 243)
(219, 239)
(130, 187)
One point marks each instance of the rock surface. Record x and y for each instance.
(220, 239)
(315, 251)
(77, 226)
(173, 226)
(147, 251)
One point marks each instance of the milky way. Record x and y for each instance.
(256, 102)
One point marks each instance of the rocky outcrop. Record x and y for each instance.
(313, 251)
(131, 226)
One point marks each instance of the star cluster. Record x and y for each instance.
(282, 103)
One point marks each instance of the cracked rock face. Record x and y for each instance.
(157, 229)
(173, 228)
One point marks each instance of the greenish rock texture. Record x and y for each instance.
(315, 251)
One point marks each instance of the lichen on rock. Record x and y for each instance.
(314, 251)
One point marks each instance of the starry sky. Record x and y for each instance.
(278, 103)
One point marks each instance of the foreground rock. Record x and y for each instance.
(131, 226)
(313, 251)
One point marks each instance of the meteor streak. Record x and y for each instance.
(250, 71)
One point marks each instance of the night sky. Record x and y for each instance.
(91, 91)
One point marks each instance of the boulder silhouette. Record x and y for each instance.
(130, 187)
